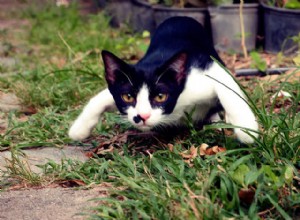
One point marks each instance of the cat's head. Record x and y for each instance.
(147, 96)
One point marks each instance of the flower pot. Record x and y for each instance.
(279, 25)
(101, 3)
(142, 16)
(162, 13)
(119, 11)
(226, 27)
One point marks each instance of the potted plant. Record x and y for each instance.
(196, 9)
(234, 25)
(281, 25)
(118, 11)
(142, 16)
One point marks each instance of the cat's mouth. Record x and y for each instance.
(143, 127)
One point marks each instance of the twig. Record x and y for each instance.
(266, 211)
(243, 44)
(65, 43)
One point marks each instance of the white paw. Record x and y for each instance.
(78, 131)
(247, 138)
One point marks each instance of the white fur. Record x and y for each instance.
(201, 88)
(89, 117)
(233, 100)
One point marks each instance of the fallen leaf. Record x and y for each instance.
(108, 146)
(89, 154)
(203, 148)
(102, 150)
(71, 183)
(191, 153)
(214, 150)
(246, 196)
(171, 147)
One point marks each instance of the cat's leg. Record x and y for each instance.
(89, 117)
(237, 110)
(215, 118)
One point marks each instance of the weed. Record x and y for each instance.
(258, 62)
(18, 168)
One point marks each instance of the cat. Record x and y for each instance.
(177, 75)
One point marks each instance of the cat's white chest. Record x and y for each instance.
(197, 98)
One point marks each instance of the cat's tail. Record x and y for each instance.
(237, 109)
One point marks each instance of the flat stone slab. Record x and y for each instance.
(48, 203)
(40, 156)
(9, 102)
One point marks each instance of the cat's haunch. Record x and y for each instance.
(176, 76)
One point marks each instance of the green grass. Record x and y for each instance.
(149, 180)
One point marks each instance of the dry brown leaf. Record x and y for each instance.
(209, 151)
(191, 153)
(102, 151)
(108, 146)
(71, 183)
(214, 150)
(89, 154)
(203, 148)
(246, 196)
(171, 147)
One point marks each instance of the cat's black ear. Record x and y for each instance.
(112, 65)
(178, 64)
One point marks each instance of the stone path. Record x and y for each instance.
(41, 156)
(48, 204)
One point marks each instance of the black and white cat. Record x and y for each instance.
(176, 75)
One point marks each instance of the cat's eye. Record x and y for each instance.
(127, 97)
(161, 97)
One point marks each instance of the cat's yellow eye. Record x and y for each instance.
(161, 97)
(127, 97)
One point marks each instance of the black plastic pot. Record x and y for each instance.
(279, 25)
(226, 27)
(142, 16)
(162, 13)
(120, 12)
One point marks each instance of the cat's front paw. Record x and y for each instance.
(246, 137)
(78, 131)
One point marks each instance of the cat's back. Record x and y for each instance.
(181, 29)
(179, 34)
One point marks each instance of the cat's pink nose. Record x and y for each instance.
(145, 116)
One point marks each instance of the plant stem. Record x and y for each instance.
(181, 3)
(243, 44)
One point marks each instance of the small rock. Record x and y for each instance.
(3, 125)
(9, 102)
(8, 62)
